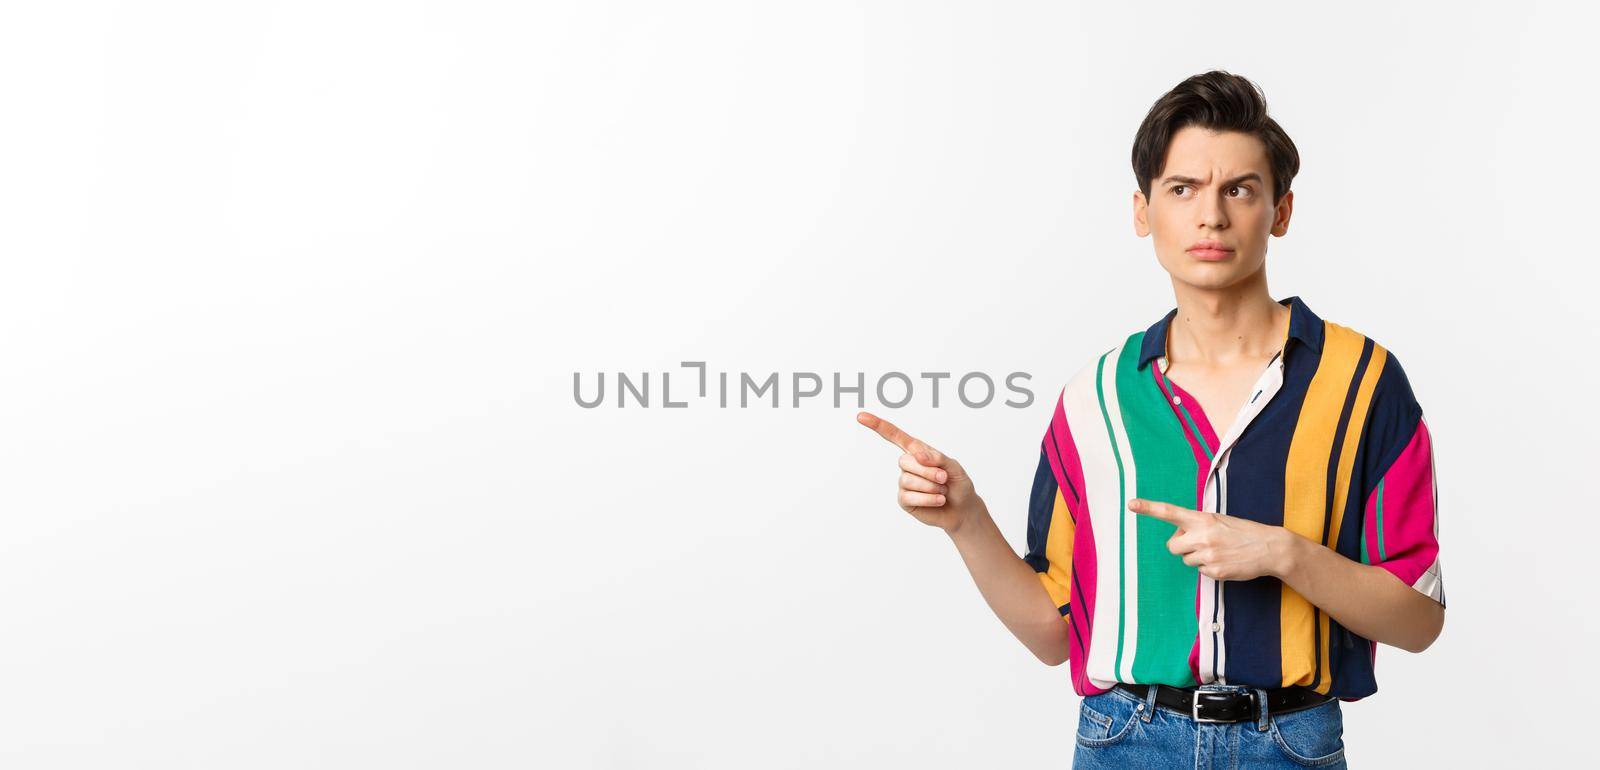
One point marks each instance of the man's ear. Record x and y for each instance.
(1280, 216)
(1141, 220)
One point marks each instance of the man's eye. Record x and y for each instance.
(1176, 188)
(1240, 187)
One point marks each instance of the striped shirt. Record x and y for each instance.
(1331, 445)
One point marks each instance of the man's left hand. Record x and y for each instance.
(1222, 547)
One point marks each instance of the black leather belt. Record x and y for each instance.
(1228, 705)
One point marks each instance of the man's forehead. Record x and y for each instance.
(1196, 152)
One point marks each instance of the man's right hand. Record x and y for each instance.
(933, 487)
(936, 490)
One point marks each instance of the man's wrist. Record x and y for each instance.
(964, 523)
(1290, 554)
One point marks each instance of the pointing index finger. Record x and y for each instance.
(1167, 512)
(886, 429)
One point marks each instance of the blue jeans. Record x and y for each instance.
(1119, 729)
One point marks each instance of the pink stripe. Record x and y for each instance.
(1069, 468)
(1063, 456)
(1206, 433)
(1409, 546)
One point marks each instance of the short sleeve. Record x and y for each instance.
(1051, 524)
(1400, 524)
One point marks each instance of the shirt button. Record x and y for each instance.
(1215, 627)
(1177, 399)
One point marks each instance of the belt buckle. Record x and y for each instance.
(1194, 710)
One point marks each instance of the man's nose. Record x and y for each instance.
(1212, 213)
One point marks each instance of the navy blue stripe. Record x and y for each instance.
(1338, 437)
(1255, 491)
(1352, 388)
(1391, 422)
(1066, 612)
(1076, 586)
(1041, 502)
(1077, 500)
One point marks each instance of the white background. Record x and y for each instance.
(293, 293)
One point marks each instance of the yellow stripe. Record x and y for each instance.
(1306, 485)
(1347, 459)
(1058, 550)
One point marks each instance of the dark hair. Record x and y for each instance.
(1220, 101)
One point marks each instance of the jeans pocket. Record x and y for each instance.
(1105, 719)
(1313, 737)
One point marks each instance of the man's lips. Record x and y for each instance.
(1210, 250)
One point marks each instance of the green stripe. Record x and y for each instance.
(1365, 559)
(1382, 555)
(1167, 472)
(1122, 567)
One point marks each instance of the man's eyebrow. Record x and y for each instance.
(1192, 181)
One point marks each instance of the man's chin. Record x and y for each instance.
(1212, 276)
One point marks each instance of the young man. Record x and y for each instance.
(1231, 506)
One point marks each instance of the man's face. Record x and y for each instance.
(1216, 186)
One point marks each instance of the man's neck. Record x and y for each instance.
(1222, 327)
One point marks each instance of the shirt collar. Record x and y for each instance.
(1304, 325)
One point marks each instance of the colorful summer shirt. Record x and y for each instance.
(1331, 444)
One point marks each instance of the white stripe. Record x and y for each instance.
(1432, 582)
(1130, 520)
(1208, 593)
(1088, 427)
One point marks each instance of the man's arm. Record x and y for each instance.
(1011, 587)
(1366, 599)
(1392, 594)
